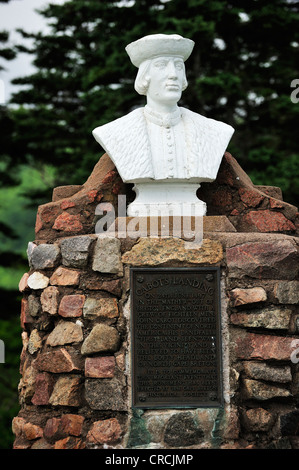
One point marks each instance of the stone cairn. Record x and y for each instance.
(75, 386)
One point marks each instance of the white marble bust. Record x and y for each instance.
(166, 150)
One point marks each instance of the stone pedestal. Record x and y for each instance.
(168, 199)
(76, 364)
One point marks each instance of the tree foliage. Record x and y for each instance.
(6, 53)
(9, 320)
(245, 57)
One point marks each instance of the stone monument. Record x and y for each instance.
(135, 343)
(164, 149)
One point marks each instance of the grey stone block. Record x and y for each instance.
(75, 251)
(44, 256)
(102, 338)
(182, 430)
(107, 256)
(105, 394)
(34, 305)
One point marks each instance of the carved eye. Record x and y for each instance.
(161, 64)
(179, 65)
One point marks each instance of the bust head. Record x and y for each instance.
(161, 71)
(158, 65)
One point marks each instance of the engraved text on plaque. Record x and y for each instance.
(176, 350)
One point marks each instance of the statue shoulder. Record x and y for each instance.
(125, 140)
(208, 124)
(119, 126)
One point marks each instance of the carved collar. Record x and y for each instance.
(163, 120)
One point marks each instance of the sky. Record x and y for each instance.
(19, 14)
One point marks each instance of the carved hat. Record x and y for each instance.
(157, 45)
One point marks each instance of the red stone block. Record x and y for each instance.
(69, 443)
(275, 203)
(92, 195)
(222, 198)
(113, 287)
(92, 281)
(67, 204)
(269, 221)
(252, 295)
(100, 367)
(43, 388)
(48, 212)
(18, 426)
(32, 431)
(228, 171)
(109, 177)
(72, 424)
(65, 277)
(60, 428)
(68, 223)
(26, 318)
(56, 361)
(264, 347)
(117, 187)
(51, 430)
(38, 223)
(104, 432)
(250, 197)
(235, 212)
(268, 260)
(71, 305)
(258, 419)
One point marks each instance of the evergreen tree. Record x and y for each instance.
(9, 319)
(6, 53)
(245, 57)
(8, 177)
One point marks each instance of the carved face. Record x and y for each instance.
(166, 80)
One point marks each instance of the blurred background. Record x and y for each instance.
(64, 71)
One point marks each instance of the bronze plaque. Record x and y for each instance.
(176, 347)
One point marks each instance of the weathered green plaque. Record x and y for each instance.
(176, 344)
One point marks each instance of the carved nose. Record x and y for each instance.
(172, 73)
